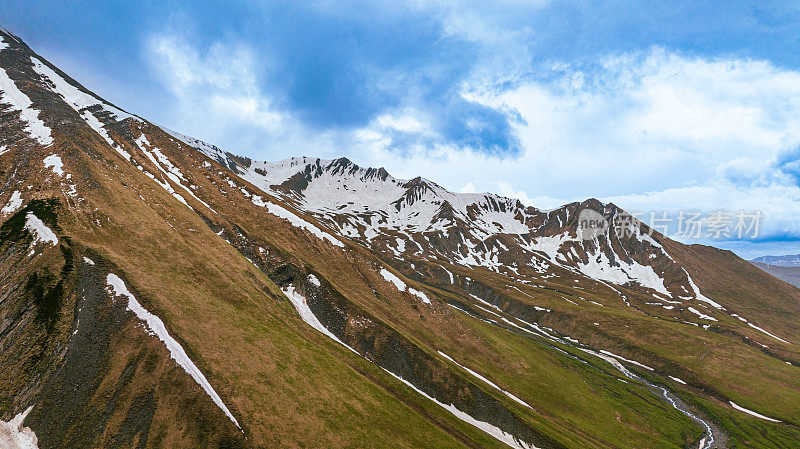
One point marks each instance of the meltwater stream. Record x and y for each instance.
(713, 433)
(714, 437)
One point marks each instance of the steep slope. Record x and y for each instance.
(225, 302)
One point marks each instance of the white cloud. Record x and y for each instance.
(505, 189)
(649, 131)
(215, 90)
(656, 120)
(694, 133)
(652, 131)
(468, 188)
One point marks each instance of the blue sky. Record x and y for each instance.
(656, 106)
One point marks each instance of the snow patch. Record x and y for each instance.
(171, 172)
(14, 203)
(400, 285)
(677, 380)
(301, 305)
(167, 187)
(313, 279)
(39, 230)
(599, 267)
(548, 245)
(13, 435)
(72, 95)
(698, 295)
(390, 277)
(419, 294)
(54, 161)
(633, 362)
(205, 148)
(762, 330)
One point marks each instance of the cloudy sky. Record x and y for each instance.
(660, 107)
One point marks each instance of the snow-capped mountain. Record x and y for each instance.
(418, 219)
(159, 291)
(779, 261)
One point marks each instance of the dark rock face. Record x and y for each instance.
(297, 183)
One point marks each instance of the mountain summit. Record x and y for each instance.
(158, 291)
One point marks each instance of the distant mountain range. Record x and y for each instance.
(787, 274)
(779, 261)
(785, 268)
(158, 291)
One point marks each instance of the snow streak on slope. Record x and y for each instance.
(209, 150)
(400, 285)
(677, 380)
(168, 188)
(295, 220)
(485, 380)
(493, 431)
(698, 295)
(20, 102)
(172, 172)
(299, 302)
(632, 362)
(744, 320)
(81, 102)
(390, 277)
(13, 435)
(156, 326)
(771, 335)
(701, 314)
(752, 413)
